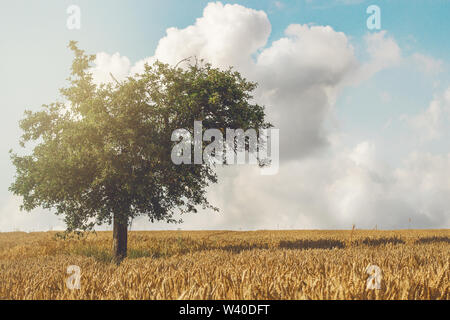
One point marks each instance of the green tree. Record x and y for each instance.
(103, 155)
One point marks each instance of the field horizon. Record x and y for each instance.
(238, 230)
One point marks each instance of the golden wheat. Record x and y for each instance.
(229, 265)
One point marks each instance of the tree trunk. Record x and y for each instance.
(119, 240)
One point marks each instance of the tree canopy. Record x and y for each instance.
(104, 151)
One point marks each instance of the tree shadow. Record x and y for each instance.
(237, 248)
(433, 239)
(380, 241)
(311, 244)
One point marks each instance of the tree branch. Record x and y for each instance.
(114, 78)
(185, 59)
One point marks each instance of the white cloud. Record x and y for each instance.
(383, 51)
(105, 65)
(428, 64)
(429, 123)
(348, 186)
(299, 77)
(226, 35)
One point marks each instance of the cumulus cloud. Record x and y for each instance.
(300, 75)
(383, 51)
(226, 35)
(428, 124)
(106, 64)
(348, 186)
(428, 64)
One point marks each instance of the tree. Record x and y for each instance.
(103, 154)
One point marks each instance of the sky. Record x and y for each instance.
(363, 113)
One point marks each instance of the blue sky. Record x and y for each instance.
(35, 63)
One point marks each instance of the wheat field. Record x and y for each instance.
(293, 264)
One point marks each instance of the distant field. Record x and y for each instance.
(229, 265)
